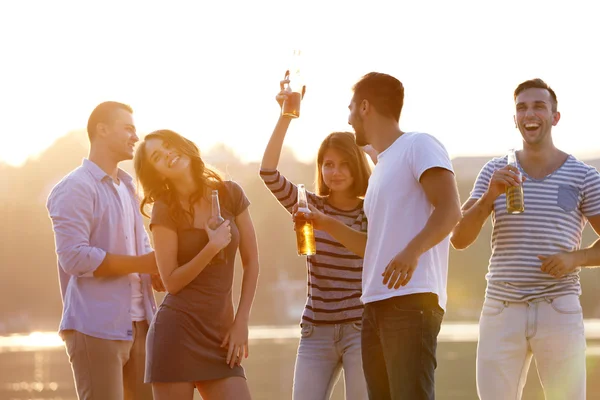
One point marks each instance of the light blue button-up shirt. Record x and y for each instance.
(86, 214)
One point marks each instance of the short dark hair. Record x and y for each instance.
(104, 113)
(382, 91)
(537, 83)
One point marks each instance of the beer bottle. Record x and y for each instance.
(305, 235)
(214, 222)
(291, 105)
(515, 203)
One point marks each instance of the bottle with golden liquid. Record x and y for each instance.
(291, 106)
(515, 200)
(305, 234)
(215, 221)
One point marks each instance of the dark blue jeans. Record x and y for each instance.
(399, 340)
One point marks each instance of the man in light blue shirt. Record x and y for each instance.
(105, 263)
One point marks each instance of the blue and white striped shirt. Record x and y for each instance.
(555, 214)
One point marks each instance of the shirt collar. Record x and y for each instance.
(99, 174)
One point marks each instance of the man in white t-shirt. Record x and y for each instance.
(531, 306)
(411, 204)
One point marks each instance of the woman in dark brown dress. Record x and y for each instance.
(196, 339)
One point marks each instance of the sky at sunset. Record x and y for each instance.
(210, 70)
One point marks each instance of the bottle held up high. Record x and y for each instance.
(291, 105)
(305, 234)
(515, 200)
(215, 221)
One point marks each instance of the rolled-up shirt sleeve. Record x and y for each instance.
(70, 206)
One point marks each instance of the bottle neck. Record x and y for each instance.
(302, 201)
(302, 204)
(216, 207)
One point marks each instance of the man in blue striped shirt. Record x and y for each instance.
(531, 306)
(104, 263)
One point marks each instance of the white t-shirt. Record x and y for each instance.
(137, 299)
(397, 210)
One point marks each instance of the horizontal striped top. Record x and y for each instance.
(334, 272)
(555, 214)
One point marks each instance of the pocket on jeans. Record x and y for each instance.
(569, 304)
(492, 308)
(567, 198)
(306, 330)
(438, 313)
(402, 318)
(357, 326)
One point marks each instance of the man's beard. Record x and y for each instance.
(359, 137)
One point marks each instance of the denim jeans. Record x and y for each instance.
(547, 329)
(323, 352)
(399, 340)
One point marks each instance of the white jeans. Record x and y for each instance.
(323, 351)
(549, 329)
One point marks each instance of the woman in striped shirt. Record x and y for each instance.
(331, 321)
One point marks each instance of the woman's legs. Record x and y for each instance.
(318, 364)
(234, 387)
(169, 391)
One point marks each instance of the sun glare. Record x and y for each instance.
(212, 74)
(33, 341)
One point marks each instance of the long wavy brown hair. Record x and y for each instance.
(345, 143)
(156, 187)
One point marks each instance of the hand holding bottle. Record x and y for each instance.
(285, 93)
(215, 221)
(294, 88)
(315, 216)
(515, 203)
(502, 179)
(305, 235)
(220, 237)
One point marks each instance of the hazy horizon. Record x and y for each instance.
(307, 158)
